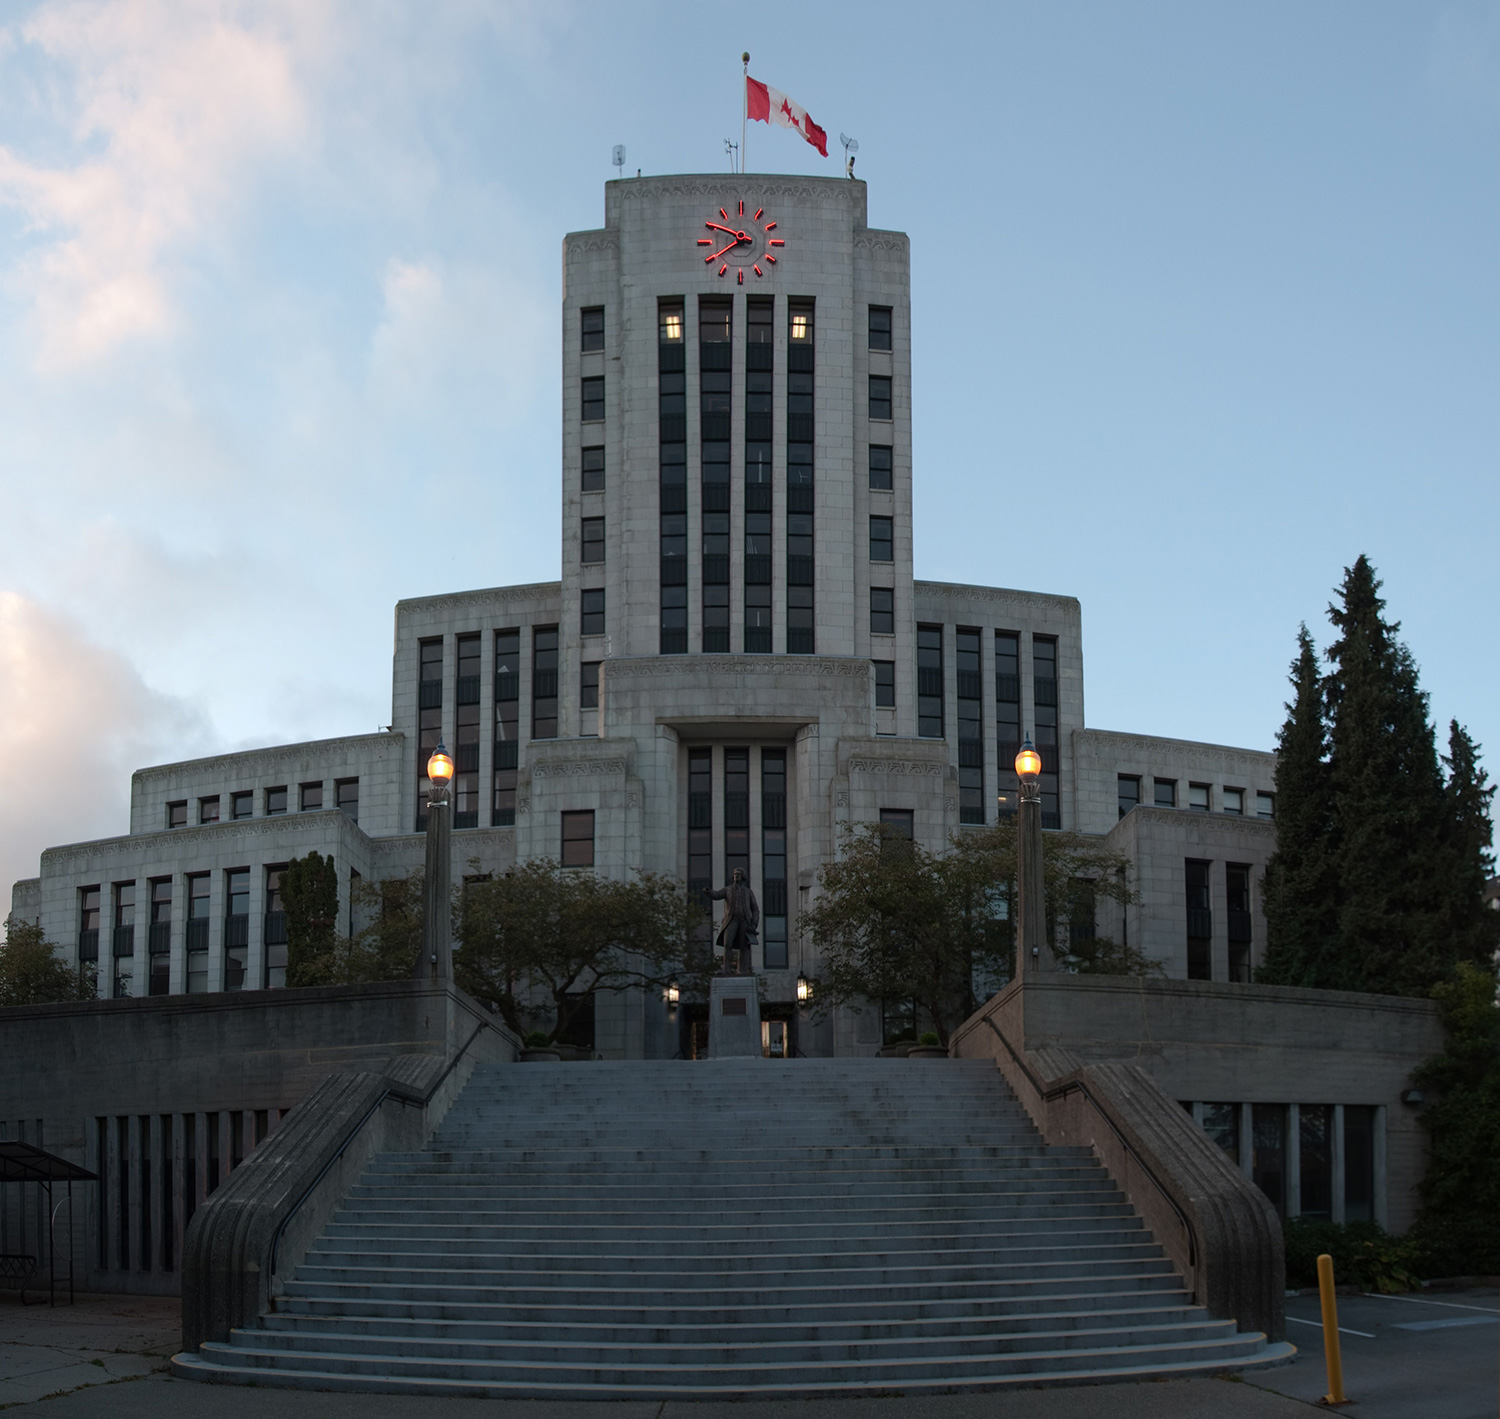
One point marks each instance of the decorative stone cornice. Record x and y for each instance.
(697, 665)
(301, 825)
(996, 596)
(274, 754)
(1142, 744)
(493, 596)
(923, 767)
(1230, 824)
(723, 189)
(578, 768)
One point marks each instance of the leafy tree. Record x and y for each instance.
(540, 939)
(310, 897)
(384, 948)
(895, 921)
(1459, 1224)
(1300, 884)
(1388, 802)
(32, 973)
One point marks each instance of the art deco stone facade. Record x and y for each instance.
(894, 697)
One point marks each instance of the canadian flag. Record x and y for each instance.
(770, 105)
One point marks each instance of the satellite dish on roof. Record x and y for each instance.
(617, 157)
(851, 147)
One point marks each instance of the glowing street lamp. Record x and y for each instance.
(436, 959)
(1032, 950)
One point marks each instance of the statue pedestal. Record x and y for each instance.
(734, 1018)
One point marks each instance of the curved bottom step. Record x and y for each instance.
(195, 1367)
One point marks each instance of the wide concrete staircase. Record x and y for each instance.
(732, 1227)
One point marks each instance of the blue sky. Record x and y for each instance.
(1206, 302)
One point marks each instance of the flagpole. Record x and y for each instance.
(744, 107)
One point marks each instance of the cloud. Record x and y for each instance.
(75, 719)
(170, 103)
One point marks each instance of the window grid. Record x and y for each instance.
(882, 539)
(1044, 695)
(880, 327)
(971, 799)
(591, 329)
(236, 927)
(882, 466)
(591, 543)
(1007, 721)
(578, 838)
(885, 684)
(507, 727)
(1200, 919)
(880, 397)
(591, 478)
(773, 858)
(715, 406)
(882, 611)
(760, 366)
(544, 682)
(672, 454)
(466, 735)
(930, 682)
(800, 566)
(429, 716)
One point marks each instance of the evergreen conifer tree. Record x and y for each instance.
(1301, 900)
(1468, 930)
(1388, 804)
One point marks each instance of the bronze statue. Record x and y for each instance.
(738, 929)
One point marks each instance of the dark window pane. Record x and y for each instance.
(1129, 790)
(880, 467)
(880, 327)
(592, 322)
(885, 684)
(882, 539)
(593, 612)
(880, 396)
(593, 539)
(882, 611)
(593, 399)
(593, 470)
(578, 839)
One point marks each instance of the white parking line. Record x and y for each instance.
(1447, 1323)
(1343, 1330)
(1423, 1301)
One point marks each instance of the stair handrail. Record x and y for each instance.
(1076, 1085)
(407, 1097)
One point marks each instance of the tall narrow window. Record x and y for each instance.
(1200, 920)
(1200, 797)
(177, 814)
(1165, 792)
(1007, 718)
(800, 568)
(588, 688)
(885, 684)
(592, 541)
(429, 716)
(882, 467)
(700, 834)
(346, 791)
(591, 622)
(544, 682)
(736, 812)
(672, 451)
(276, 800)
(124, 940)
(466, 735)
(591, 323)
(1044, 694)
(199, 886)
(880, 327)
(1128, 792)
(1237, 904)
(159, 946)
(310, 797)
(1265, 805)
(242, 804)
(274, 931)
(880, 396)
(592, 472)
(236, 927)
(760, 364)
(882, 539)
(716, 403)
(773, 858)
(971, 804)
(507, 727)
(208, 809)
(930, 682)
(592, 392)
(578, 839)
(89, 912)
(882, 611)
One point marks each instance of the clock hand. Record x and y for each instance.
(718, 228)
(729, 247)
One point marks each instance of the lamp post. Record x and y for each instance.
(436, 960)
(1033, 953)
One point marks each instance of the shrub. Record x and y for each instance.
(1363, 1253)
(928, 1037)
(538, 1039)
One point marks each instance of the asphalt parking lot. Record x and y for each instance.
(1429, 1356)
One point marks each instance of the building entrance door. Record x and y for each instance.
(775, 1041)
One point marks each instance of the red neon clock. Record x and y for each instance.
(744, 241)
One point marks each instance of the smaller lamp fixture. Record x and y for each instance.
(1414, 1097)
(440, 767)
(804, 989)
(673, 993)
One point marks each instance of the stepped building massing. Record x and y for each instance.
(737, 665)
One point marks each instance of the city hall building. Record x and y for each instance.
(737, 665)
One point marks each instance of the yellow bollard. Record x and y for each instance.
(1335, 1393)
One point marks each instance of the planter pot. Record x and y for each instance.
(540, 1056)
(899, 1051)
(927, 1052)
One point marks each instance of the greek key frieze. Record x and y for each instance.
(579, 768)
(922, 767)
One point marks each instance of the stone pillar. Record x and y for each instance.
(734, 1018)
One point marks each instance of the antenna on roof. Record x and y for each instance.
(731, 148)
(618, 159)
(851, 147)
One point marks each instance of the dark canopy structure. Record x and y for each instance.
(26, 1163)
